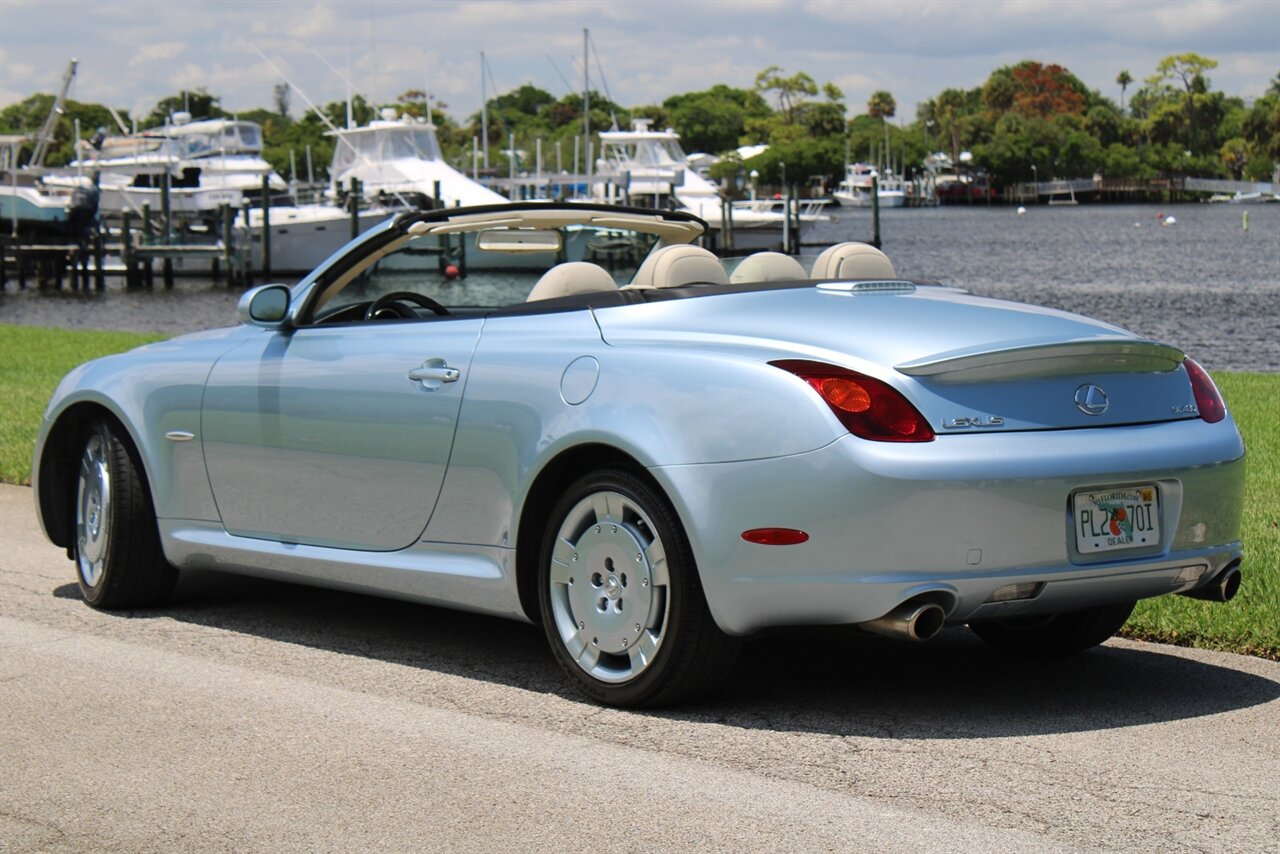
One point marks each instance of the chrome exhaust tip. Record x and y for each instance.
(1223, 588)
(917, 621)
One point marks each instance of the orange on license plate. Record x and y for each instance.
(1111, 519)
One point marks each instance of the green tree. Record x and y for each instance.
(198, 102)
(952, 117)
(1188, 69)
(881, 105)
(1235, 156)
(714, 120)
(27, 117)
(1121, 161)
(1261, 125)
(280, 97)
(790, 91)
(1123, 79)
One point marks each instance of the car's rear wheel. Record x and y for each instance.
(620, 597)
(119, 562)
(1055, 634)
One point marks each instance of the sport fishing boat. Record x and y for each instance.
(398, 159)
(649, 167)
(855, 190)
(210, 163)
(398, 163)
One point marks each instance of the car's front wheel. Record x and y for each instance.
(620, 597)
(119, 562)
(1055, 634)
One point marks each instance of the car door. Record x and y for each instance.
(336, 435)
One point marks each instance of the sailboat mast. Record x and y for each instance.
(586, 106)
(350, 121)
(484, 115)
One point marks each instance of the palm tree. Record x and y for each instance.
(881, 105)
(1124, 78)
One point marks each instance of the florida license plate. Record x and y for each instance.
(1115, 519)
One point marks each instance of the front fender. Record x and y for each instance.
(148, 392)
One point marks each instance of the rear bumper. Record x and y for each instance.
(955, 519)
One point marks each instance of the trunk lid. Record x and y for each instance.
(969, 364)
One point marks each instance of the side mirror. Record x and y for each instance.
(266, 306)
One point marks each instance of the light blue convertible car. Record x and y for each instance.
(649, 451)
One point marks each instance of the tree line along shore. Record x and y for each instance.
(1028, 121)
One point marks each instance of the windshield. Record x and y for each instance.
(454, 272)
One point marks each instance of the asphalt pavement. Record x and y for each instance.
(260, 716)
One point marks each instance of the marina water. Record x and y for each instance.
(1204, 283)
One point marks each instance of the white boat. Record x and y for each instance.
(398, 163)
(855, 190)
(27, 205)
(1241, 197)
(210, 163)
(301, 235)
(399, 160)
(651, 168)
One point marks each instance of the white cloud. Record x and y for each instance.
(649, 50)
(157, 52)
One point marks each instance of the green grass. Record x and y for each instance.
(1250, 623)
(33, 360)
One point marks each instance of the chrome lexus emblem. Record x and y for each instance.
(1091, 399)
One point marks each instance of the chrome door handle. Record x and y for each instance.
(444, 375)
(433, 373)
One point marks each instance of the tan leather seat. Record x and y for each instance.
(681, 264)
(573, 277)
(767, 267)
(853, 261)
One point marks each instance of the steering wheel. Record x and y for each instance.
(390, 303)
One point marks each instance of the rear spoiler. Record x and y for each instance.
(1046, 360)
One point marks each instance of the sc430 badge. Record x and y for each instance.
(977, 422)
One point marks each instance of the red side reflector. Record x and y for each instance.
(775, 536)
(1208, 398)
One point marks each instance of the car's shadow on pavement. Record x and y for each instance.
(836, 681)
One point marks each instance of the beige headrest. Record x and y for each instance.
(681, 264)
(852, 261)
(574, 277)
(767, 267)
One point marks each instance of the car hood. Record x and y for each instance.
(971, 362)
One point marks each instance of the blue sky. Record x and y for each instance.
(133, 52)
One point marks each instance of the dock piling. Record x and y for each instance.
(266, 227)
(99, 258)
(353, 199)
(875, 211)
(126, 251)
(225, 213)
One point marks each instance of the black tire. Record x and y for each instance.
(1055, 634)
(620, 597)
(119, 562)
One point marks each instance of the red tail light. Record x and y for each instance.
(866, 407)
(1208, 399)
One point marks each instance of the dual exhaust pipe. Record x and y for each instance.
(1223, 588)
(920, 621)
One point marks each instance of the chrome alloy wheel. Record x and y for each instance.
(609, 587)
(93, 510)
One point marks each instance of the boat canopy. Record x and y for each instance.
(384, 141)
(643, 147)
(207, 139)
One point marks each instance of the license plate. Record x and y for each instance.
(1115, 519)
